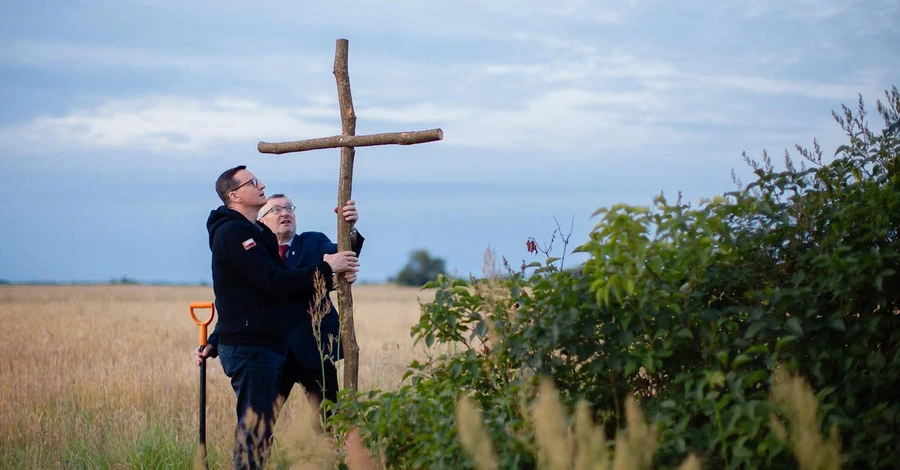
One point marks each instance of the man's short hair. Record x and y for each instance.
(263, 209)
(226, 182)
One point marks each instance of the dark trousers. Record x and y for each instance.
(255, 372)
(320, 383)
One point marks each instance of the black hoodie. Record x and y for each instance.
(251, 284)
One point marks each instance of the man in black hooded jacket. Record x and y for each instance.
(253, 291)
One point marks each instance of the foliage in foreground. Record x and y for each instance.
(689, 312)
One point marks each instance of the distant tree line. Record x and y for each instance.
(420, 269)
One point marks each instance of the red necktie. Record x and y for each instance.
(282, 251)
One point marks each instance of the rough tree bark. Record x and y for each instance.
(345, 190)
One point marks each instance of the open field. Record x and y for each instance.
(103, 376)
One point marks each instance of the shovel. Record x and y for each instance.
(203, 324)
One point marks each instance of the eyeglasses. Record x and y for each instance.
(277, 210)
(252, 182)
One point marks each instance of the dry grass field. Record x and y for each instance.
(103, 377)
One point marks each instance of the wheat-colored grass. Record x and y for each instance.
(104, 377)
(797, 401)
(585, 446)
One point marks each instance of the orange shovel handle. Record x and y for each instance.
(203, 323)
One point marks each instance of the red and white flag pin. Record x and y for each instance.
(248, 243)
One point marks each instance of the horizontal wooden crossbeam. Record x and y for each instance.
(398, 138)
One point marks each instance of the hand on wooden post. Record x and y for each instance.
(351, 215)
(343, 261)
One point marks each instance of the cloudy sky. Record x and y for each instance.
(117, 117)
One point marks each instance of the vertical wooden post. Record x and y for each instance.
(345, 188)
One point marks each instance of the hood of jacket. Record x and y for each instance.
(219, 217)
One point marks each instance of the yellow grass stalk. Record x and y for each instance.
(635, 449)
(795, 398)
(550, 430)
(591, 452)
(475, 440)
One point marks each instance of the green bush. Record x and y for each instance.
(691, 312)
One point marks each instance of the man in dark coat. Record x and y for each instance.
(253, 290)
(314, 333)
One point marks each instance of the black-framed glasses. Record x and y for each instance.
(277, 210)
(252, 182)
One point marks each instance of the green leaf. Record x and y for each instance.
(781, 343)
(459, 282)
(838, 324)
(461, 291)
(757, 349)
(627, 337)
(631, 366)
(755, 377)
(722, 356)
(755, 328)
(793, 326)
(481, 328)
(629, 286)
(741, 359)
(649, 365)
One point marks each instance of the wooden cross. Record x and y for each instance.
(347, 141)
